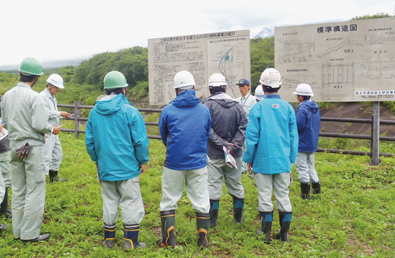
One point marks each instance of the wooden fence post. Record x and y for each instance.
(76, 117)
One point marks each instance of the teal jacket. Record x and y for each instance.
(116, 138)
(272, 136)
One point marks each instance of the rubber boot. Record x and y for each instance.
(109, 235)
(168, 219)
(266, 222)
(316, 187)
(285, 224)
(40, 238)
(238, 206)
(305, 191)
(131, 235)
(4, 211)
(202, 222)
(214, 207)
(53, 175)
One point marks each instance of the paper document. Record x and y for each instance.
(3, 134)
(229, 159)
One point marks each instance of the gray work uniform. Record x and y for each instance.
(247, 102)
(52, 148)
(5, 161)
(2, 188)
(25, 117)
(305, 165)
(229, 126)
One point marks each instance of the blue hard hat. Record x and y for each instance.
(243, 81)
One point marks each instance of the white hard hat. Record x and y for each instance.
(216, 80)
(304, 89)
(259, 93)
(271, 77)
(56, 80)
(184, 80)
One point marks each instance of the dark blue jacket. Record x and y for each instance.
(308, 118)
(185, 126)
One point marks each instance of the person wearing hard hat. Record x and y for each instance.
(116, 140)
(246, 101)
(272, 146)
(259, 93)
(5, 158)
(185, 126)
(308, 118)
(228, 130)
(25, 117)
(52, 148)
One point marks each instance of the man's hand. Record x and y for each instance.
(230, 144)
(64, 114)
(142, 168)
(56, 130)
(249, 165)
(1, 127)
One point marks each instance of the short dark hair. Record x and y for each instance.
(26, 78)
(217, 89)
(115, 91)
(305, 97)
(270, 89)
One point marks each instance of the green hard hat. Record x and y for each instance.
(30, 66)
(114, 79)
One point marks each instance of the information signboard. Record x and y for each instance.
(227, 53)
(343, 61)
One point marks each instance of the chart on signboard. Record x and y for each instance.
(343, 61)
(227, 53)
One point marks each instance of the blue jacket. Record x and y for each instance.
(185, 127)
(272, 136)
(308, 118)
(116, 139)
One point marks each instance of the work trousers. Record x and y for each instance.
(5, 168)
(244, 167)
(195, 184)
(277, 183)
(2, 188)
(53, 153)
(125, 194)
(28, 193)
(217, 171)
(305, 165)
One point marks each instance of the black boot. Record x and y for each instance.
(53, 174)
(168, 219)
(44, 237)
(238, 206)
(4, 206)
(305, 189)
(285, 224)
(131, 235)
(202, 222)
(316, 187)
(109, 235)
(266, 222)
(214, 207)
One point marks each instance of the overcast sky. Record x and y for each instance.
(58, 30)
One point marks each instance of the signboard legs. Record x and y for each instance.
(375, 158)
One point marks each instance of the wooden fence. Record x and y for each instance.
(77, 118)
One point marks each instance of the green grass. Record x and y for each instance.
(355, 217)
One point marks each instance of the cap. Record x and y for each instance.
(243, 81)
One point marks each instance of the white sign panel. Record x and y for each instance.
(342, 61)
(227, 53)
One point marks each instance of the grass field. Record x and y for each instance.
(355, 217)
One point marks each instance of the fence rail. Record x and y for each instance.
(77, 118)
